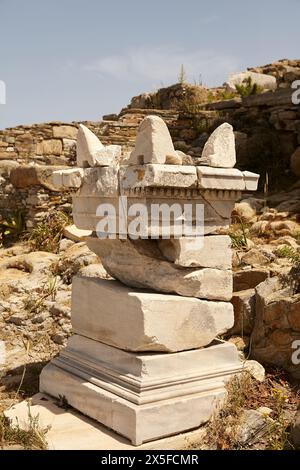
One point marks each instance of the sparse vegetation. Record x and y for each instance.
(246, 393)
(293, 278)
(248, 88)
(48, 233)
(32, 438)
(36, 303)
(182, 75)
(238, 234)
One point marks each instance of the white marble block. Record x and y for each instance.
(212, 251)
(153, 143)
(141, 396)
(219, 150)
(145, 321)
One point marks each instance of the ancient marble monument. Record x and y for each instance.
(145, 359)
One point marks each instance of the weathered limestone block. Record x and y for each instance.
(219, 150)
(204, 252)
(276, 334)
(141, 396)
(49, 147)
(220, 178)
(244, 312)
(153, 143)
(65, 132)
(158, 176)
(123, 261)
(145, 321)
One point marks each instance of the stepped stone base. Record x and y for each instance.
(141, 396)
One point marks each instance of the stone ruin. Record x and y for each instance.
(145, 359)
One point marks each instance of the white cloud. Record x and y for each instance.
(162, 64)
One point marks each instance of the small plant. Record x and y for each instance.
(292, 279)
(32, 438)
(238, 234)
(182, 75)
(247, 88)
(48, 233)
(35, 303)
(278, 439)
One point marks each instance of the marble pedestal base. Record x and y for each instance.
(141, 396)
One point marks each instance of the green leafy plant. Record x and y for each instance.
(247, 88)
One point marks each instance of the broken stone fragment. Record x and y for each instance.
(206, 252)
(71, 178)
(145, 321)
(91, 152)
(125, 261)
(75, 234)
(153, 143)
(219, 150)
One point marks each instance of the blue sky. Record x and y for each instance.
(79, 59)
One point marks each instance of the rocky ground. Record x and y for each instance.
(35, 299)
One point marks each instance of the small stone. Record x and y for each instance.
(75, 234)
(255, 257)
(256, 370)
(40, 318)
(16, 320)
(254, 424)
(58, 310)
(241, 343)
(59, 339)
(243, 212)
(64, 244)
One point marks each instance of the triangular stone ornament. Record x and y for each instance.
(88, 145)
(153, 143)
(219, 150)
